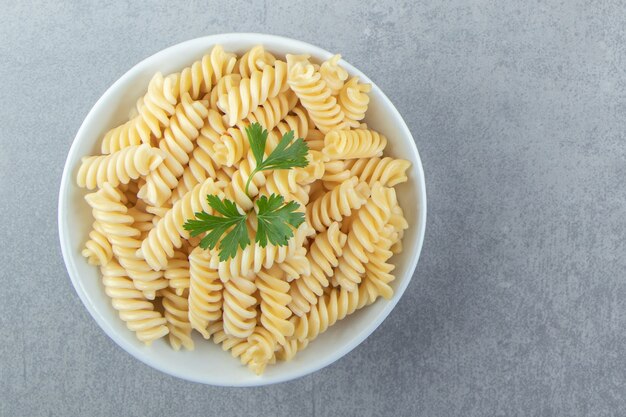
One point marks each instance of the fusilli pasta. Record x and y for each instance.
(186, 140)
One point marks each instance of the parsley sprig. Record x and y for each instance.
(286, 155)
(275, 219)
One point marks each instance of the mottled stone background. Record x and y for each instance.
(518, 302)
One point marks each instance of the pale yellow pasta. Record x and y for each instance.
(239, 308)
(274, 294)
(315, 96)
(205, 292)
(296, 265)
(186, 140)
(335, 173)
(364, 232)
(377, 271)
(255, 59)
(334, 205)
(260, 351)
(169, 232)
(232, 146)
(237, 346)
(156, 107)
(351, 144)
(296, 121)
(202, 75)
(333, 75)
(133, 308)
(323, 256)
(329, 309)
(97, 249)
(202, 164)
(243, 99)
(110, 212)
(275, 109)
(177, 272)
(354, 100)
(119, 167)
(130, 191)
(292, 346)
(177, 144)
(222, 87)
(176, 314)
(254, 351)
(388, 171)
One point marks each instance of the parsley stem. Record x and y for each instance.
(252, 174)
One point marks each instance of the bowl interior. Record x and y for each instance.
(208, 363)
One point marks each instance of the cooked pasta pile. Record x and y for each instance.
(185, 140)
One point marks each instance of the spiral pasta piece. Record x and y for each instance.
(239, 308)
(255, 59)
(335, 173)
(156, 107)
(119, 167)
(275, 109)
(260, 351)
(109, 210)
(388, 171)
(167, 234)
(334, 205)
(202, 75)
(240, 101)
(352, 144)
(323, 256)
(232, 147)
(177, 144)
(296, 265)
(333, 75)
(364, 233)
(131, 133)
(202, 164)
(311, 173)
(142, 219)
(255, 351)
(315, 96)
(377, 271)
(296, 121)
(176, 314)
(274, 293)
(329, 309)
(287, 351)
(399, 223)
(236, 345)
(130, 191)
(354, 100)
(133, 308)
(205, 292)
(97, 249)
(177, 273)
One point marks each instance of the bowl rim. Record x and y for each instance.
(67, 183)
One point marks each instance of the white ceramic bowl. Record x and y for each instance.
(208, 363)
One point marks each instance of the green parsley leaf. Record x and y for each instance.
(275, 220)
(236, 237)
(287, 154)
(257, 136)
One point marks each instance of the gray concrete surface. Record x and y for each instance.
(518, 302)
